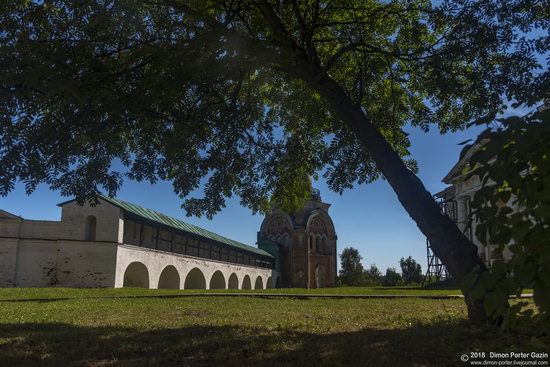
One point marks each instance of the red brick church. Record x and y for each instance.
(303, 243)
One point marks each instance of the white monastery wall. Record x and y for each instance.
(40, 229)
(109, 221)
(86, 264)
(44, 263)
(37, 253)
(8, 250)
(156, 261)
(35, 263)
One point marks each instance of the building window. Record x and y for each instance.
(91, 222)
(135, 225)
(318, 244)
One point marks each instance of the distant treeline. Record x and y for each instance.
(354, 274)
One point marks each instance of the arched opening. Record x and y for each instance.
(259, 284)
(324, 245)
(91, 223)
(269, 283)
(136, 275)
(195, 280)
(247, 284)
(278, 282)
(320, 276)
(217, 281)
(233, 282)
(169, 278)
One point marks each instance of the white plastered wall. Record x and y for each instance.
(109, 221)
(155, 262)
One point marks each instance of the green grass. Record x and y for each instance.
(223, 331)
(28, 293)
(49, 293)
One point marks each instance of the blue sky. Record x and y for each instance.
(368, 217)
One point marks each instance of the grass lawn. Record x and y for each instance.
(27, 293)
(221, 331)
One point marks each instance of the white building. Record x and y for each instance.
(456, 202)
(118, 244)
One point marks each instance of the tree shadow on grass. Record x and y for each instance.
(48, 344)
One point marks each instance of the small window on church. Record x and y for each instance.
(90, 228)
(318, 245)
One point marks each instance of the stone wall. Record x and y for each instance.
(109, 221)
(8, 252)
(49, 253)
(45, 263)
(82, 264)
(156, 262)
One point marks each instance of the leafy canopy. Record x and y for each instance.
(352, 271)
(206, 95)
(410, 270)
(513, 210)
(392, 278)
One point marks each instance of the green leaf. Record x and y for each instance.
(495, 303)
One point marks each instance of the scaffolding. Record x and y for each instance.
(437, 271)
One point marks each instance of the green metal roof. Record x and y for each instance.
(178, 224)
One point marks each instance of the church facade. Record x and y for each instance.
(303, 244)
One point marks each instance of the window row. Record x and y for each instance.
(143, 235)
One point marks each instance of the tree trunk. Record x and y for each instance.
(457, 252)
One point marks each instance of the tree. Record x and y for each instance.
(392, 278)
(410, 270)
(352, 270)
(253, 98)
(512, 209)
(372, 276)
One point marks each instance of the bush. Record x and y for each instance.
(392, 278)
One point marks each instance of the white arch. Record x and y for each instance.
(259, 283)
(169, 278)
(136, 275)
(195, 279)
(233, 282)
(217, 281)
(156, 263)
(247, 284)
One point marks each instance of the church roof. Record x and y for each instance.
(172, 222)
(458, 168)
